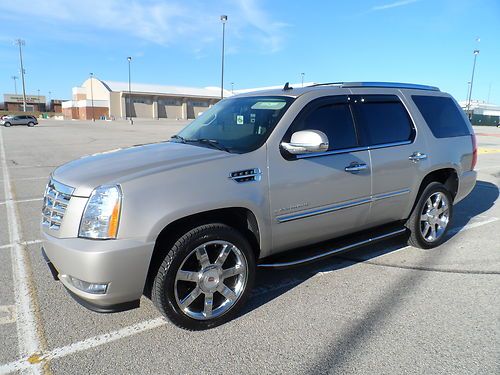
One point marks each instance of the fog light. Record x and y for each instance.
(84, 286)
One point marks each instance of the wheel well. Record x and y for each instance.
(239, 218)
(447, 176)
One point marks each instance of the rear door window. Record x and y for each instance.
(382, 119)
(442, 115)
(330, 116)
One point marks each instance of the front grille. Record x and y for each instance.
(55, 203)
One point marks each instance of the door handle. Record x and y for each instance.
(417, 156)
(355, 167)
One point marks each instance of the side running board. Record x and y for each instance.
(332, 251)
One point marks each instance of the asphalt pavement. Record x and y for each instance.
(386, 308)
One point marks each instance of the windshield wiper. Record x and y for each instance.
(179, 138)
(211, 142)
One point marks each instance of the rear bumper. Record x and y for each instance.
(121, 264)
(466, 183)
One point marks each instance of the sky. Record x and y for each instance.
(268, 42)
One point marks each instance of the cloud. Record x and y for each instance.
(395, 4)
(160, 22)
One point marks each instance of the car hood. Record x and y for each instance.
(116, 166)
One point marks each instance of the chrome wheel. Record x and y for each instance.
(210, 280)
(434, 217)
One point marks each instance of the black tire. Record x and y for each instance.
(163, 289)
(31, 124)
(7, 124)
(415, 224)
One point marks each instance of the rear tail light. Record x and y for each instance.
(474, 152)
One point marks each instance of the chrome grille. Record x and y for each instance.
(55, 203)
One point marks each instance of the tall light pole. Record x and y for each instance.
(223, 19)
(129, 59)
(232, 87)
(20, 43)
(15, 83)
(302, 74)
(476, 52)
(92, 95)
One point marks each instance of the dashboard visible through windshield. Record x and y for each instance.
(236, 125)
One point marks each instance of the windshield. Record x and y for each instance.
(236, 125)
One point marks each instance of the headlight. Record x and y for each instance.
(102, 213)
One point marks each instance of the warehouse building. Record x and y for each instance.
(101, 99)
(14, 103)
(482, 113)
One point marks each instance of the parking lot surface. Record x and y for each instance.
(386, 308)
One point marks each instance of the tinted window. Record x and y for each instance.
(334, 120)
(382, 122)
(442, 116)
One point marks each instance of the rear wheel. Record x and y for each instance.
(431, 217)
(205, 278)
(7, 124)
(31, 124)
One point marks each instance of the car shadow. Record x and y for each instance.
(271, 283)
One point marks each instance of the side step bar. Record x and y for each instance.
(333, 251)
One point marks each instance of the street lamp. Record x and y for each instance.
(92, 95)
(232, 87)
(223, 19)
(476, 52)
(129, 59)
(302, 74)
(20, 43)
(15, 83)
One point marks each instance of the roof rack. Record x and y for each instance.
(396, 85)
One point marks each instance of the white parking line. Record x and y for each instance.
(9, 245)
(26, 325)
(473, 225)
(29, 178)
(20, 200)
(7, 314)
(27, 362)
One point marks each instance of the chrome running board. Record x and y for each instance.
(333, 251)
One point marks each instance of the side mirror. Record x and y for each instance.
(306, 141)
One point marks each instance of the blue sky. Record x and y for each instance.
(267, 42)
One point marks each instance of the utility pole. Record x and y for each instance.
(476, 52)
(20, 43)
(223, 19)
(92, 95)
(15, 83)
(129, 92)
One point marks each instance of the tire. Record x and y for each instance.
(431, 217)
(204, 263)
(7, 124)
(31, 124)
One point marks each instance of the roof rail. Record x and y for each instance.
(396, 85)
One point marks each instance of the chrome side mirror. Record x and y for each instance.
(306, 141)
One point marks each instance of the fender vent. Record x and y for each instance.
(247, 175)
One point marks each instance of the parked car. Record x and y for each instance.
(19, 120)
(262, 174)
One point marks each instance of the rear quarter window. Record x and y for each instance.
(442, 115)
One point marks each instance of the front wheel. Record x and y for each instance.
(31, 124)
(205, 278)
(431, 217)
(7, 124)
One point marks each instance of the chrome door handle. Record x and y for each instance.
(417, 156)
(355, 167)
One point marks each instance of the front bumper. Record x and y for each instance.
(122, 264)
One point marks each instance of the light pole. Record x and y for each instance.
(476, 52)
(223, 19)
(50, 96)
(15, 83)
(92, 95)
(302, 74)
(232, 87)
(129, 59)
(20, 43)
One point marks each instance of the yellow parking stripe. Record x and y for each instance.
(488, 150)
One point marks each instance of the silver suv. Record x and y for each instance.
(19, 120)
(265, 179)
